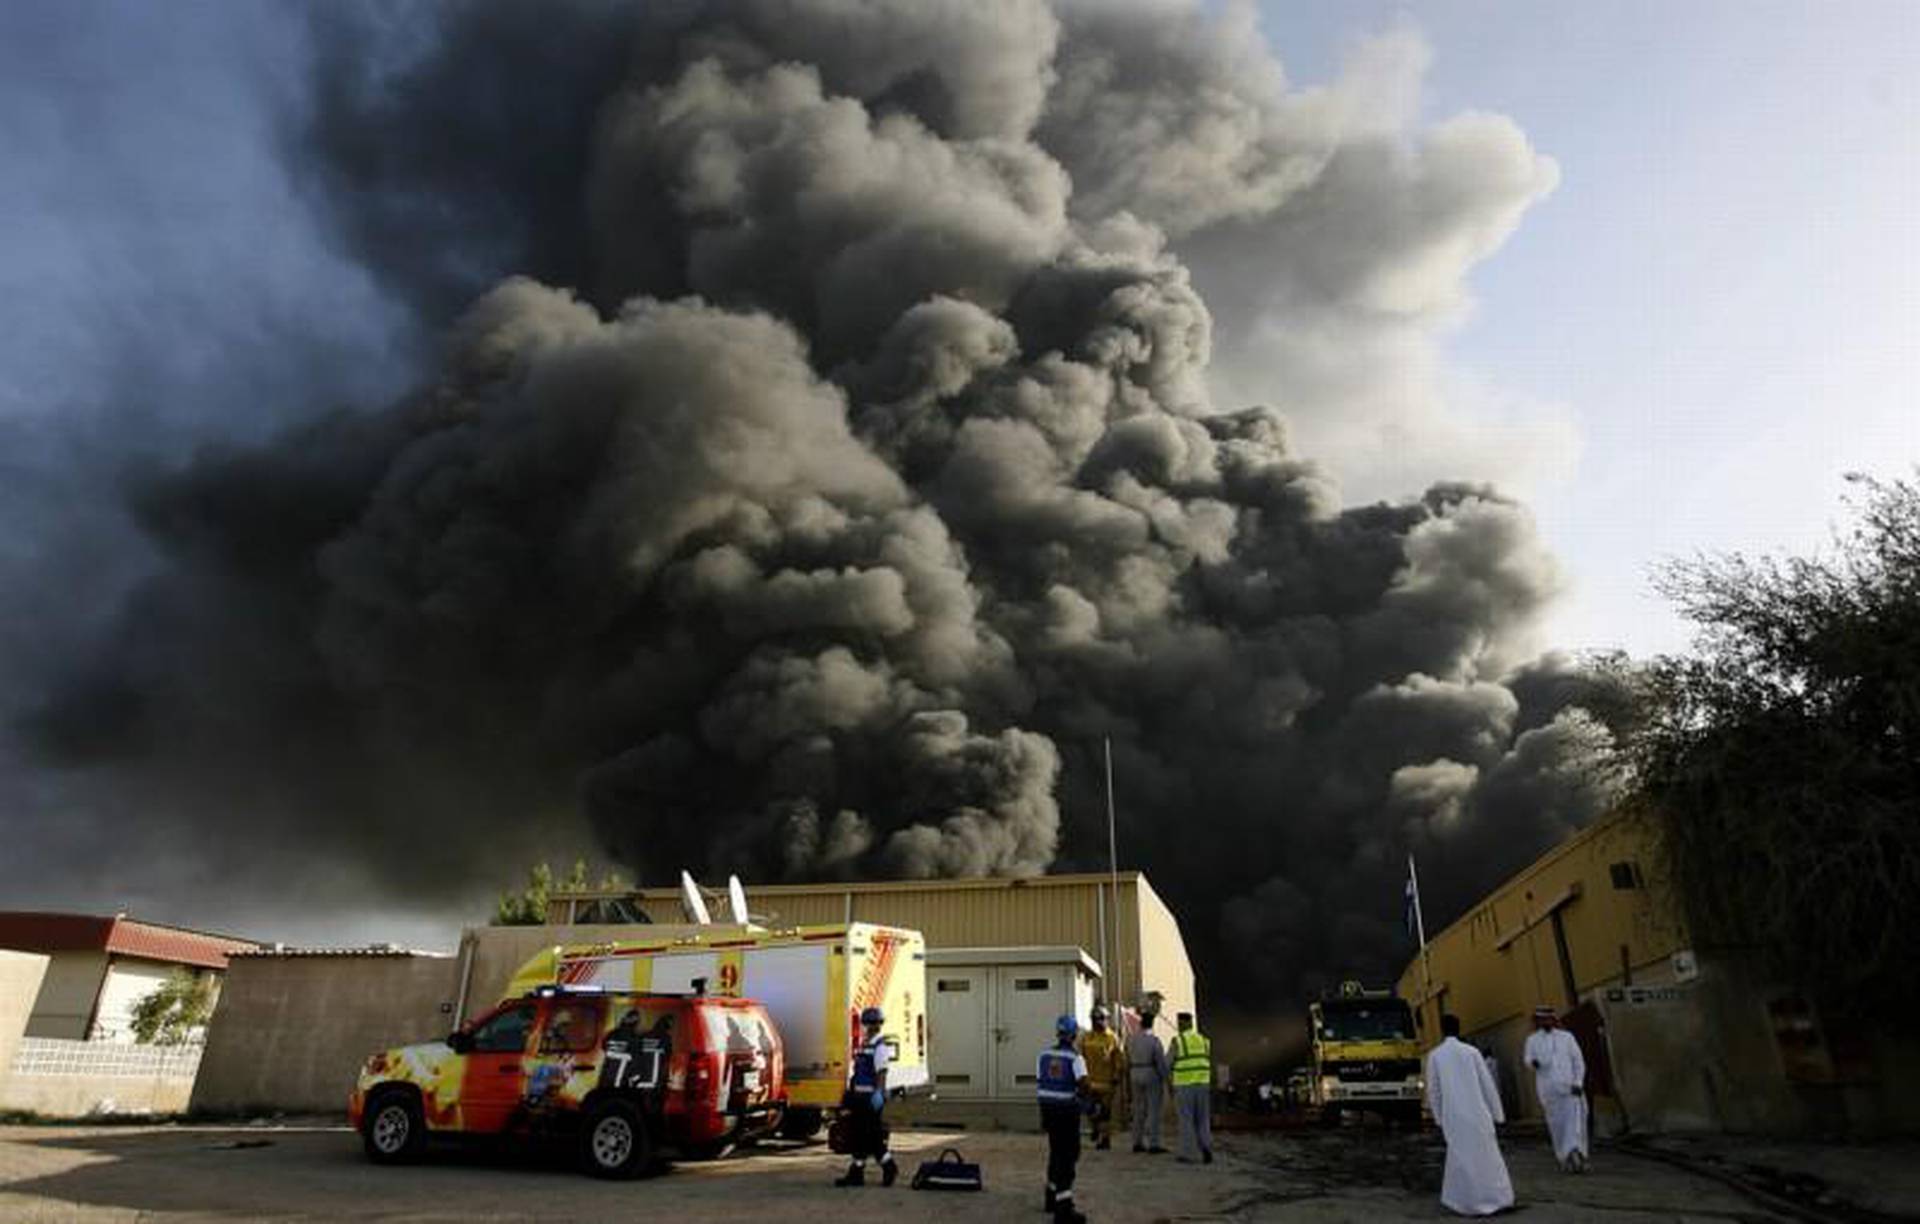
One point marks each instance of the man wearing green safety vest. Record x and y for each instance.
(1192, 1057)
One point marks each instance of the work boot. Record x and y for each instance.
(856, 1175)
(1050, 1205)
(889, 1171)
(1066, 1213)
(1103, 1145)
(1156, 1150)
(1139, 1147)
(1206, 1155)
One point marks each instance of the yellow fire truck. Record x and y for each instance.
(1365, 1055)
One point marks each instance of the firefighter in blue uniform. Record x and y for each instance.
(866, 1097)
(1062, 1080)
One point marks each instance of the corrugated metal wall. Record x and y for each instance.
(1161, 954)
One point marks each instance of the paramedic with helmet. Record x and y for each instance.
(1062, 1085)
(866, 1097)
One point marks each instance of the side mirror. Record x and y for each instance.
(459, 1042)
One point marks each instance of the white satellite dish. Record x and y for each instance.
(737, 898)
(690, 898)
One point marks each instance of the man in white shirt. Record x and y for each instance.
(1466, 1105)
(864, 1101)
(1559, 1077)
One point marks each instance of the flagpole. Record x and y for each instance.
(1420, 927)
(1113, 869)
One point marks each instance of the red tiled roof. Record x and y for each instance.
(37, 932)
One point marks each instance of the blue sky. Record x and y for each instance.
(1723, 292)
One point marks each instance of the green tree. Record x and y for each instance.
(175, 1010)
(528, 907)
(1781, 763)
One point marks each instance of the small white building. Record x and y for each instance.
(99, 966)
(990, 1011)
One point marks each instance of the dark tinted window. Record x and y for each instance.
(631, 1021)
(506, 1032)
(1625, 875)
(1370, 1021)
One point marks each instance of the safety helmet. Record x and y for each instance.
(871, 1016)
(1066, 1026)
(1099, 1011)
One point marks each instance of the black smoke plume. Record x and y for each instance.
(823, 460)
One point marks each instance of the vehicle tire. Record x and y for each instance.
(393, 1130)
(802, 1123)
(614, 1141)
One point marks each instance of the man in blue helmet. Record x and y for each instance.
(865, 1098)
(1062, 1080)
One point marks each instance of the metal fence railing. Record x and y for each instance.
(53, 1056)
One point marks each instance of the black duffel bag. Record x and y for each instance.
(949, 1172)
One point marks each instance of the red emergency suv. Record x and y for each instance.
(629, 1078)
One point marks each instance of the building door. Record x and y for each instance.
(961, 1037)
(495, 1078)
(1028, 998)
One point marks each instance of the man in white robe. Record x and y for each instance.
(1559, 1077)
(1466, 1105)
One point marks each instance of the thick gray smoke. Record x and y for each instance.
(825, 457)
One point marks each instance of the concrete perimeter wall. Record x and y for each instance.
(59, 1078)
(291, 1031)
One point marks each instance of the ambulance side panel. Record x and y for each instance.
(887, 968)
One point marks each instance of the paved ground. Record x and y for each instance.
(199, 1172)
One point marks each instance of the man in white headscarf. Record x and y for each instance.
(1559, 1077)
(1466, 1105)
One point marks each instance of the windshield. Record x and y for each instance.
(1371, 1020)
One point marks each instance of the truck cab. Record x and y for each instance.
(1365, 1055)
(628, 1077)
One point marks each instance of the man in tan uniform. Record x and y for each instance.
(1106, 1075)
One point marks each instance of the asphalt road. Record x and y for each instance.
(271, 1173)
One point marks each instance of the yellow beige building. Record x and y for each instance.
(1677, 1036)
(1137, 945)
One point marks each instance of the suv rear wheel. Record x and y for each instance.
(614, 1141)
(393, 1131)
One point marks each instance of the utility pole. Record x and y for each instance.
(1113, 870)
(1420, 927)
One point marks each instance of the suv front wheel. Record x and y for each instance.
(394, 1131)
(614, 1140)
